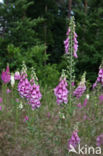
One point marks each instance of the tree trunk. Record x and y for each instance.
(45, 32)
(85, 6)
(69, 8)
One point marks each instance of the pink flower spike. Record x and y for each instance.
(7, 69)
(101, 98)
(0, 108)
(85, 117)
(48, 114)
(17, 76)
(94, 85)
(85, 102)
(17, 100)
(1, 100)
(8, 91)
(5, 76)
(99, 140)
(79, 105)
(26, 118)
(73, 84)
(100, 76)
(74, 140)
(61, 92)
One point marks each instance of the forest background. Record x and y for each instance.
(34, 32)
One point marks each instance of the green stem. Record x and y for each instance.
(70, 82)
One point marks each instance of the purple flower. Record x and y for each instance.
(48, 114)
(85, 102)
(66, 42)
(8, 91)
(79, 105)
(73, 84)
(26, 118)
(94, 85)
(100, 76)
(5, 76)
(74, 140)
(61, 92)
(0, 108)
(35, 96)
(17, 100)
(101, 98)
(1, 100)
(24, 86)
(99, 140)
(17, 76)
(79, 90)
(30, 90)
(68, 32)
(75, 45)
(85, 117)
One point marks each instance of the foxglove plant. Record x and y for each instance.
(30, 90)
(71, 35)
(81, 88)
(71, 47)
(8, 91)
(0, 108)
(26, 118)
(27, 89)
(74, 140)
(17, 75)
(101, 98)
(5, 76)
(100, 76)
(61, 91)
(99, 140)
(24, 85)
(1, 100)
(85, 102)
(35, 95)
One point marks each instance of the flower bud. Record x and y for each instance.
(12, 80)
(17, 75)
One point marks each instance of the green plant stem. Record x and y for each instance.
(70, 81)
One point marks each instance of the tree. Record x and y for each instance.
(18, 31)
(52, 30)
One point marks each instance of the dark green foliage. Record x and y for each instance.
(18, 33)
(52, 30)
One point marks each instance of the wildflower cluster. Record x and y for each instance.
(66, 42)
(5, 76)
(23, 85)
(71, 40)
(100, 76)
(61, 91)
(17, 75)
(29, 89)
(99, 140)
(81, 88)
(71, 47)
(74, 140)
(75, 45)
